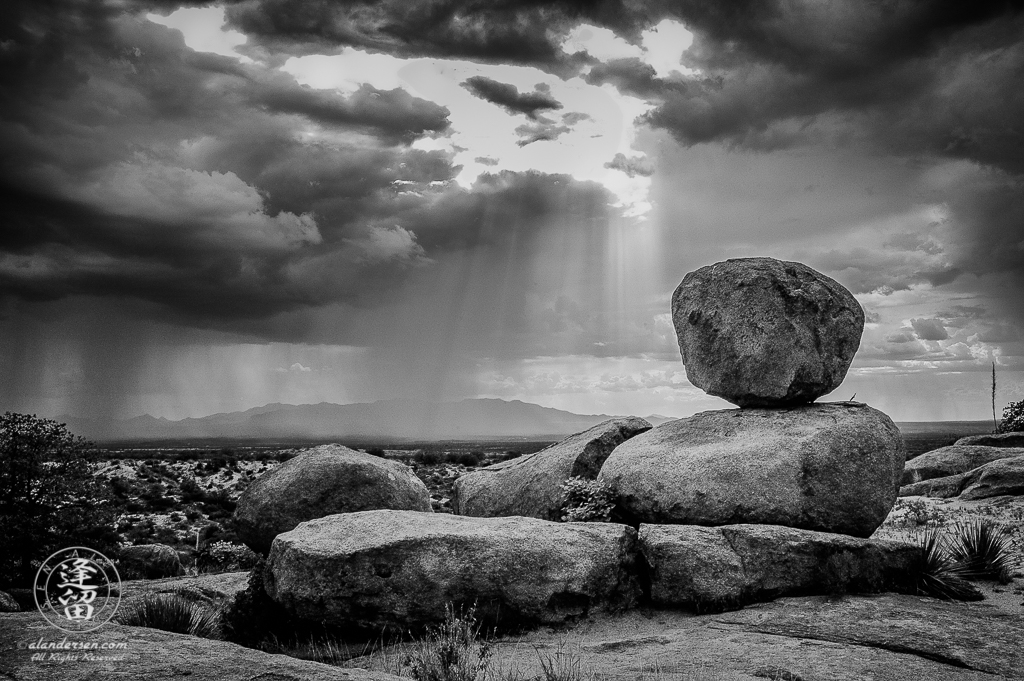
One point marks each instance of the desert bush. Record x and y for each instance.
(983, 549)
(49, 498)
(469, 459)
(452, 650)
(223, 556)
(170, 612)
(937, 574)
(509, 455)
(376, 451)
(586, 501)
(428, 457)
(1013, 418)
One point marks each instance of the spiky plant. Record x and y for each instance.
(983, 550)
(937, 574)
(170, 612)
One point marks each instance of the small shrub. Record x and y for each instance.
(468, 459)
(565, 665)
(377, 451)
(937, 573)
(451, 651)
(982, 548)
(587, 501)
(1013, 418)
(223, 556)
(428, 457)
(170, 612)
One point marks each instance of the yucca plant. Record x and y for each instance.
(982, 548)
(170, 612)
(938, 574)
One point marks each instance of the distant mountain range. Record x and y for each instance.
(385, 420)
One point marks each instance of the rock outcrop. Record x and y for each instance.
(716, 568)
(993, 440)
(396, 570)
(150, 561)
(150, 654)
(320, 482)
(998, 478)
(952, 460)
(760, 332)
(831, 467)
(531, 485)
(940, 488)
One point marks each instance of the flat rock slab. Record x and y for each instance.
(722, 568)
(1002, 477)
(323, 481)
(816, 638)
(993, 440)
(832, 467)
(939, 488)
(760, 332)
(382, 570)
(531, 485)
(954, 459)
(153, 655)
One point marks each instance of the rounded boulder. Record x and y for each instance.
(760, 332)
(832, 467)
(320, 482)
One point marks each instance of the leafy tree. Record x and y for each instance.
(1013, 418)
(49, 498)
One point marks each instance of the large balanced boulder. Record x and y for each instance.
(323, 481)
(760, 332)
(832, 467)
(396, 570)
(718, 568)
(531, 485)
(995, 479)
(993, 440)
(952, 460)
(149, 561)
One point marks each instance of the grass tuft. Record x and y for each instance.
(452, 650)
(170, 612)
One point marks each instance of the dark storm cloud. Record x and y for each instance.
(917, 77)
(929, 329)
(525, 32)
(133, 166)
(509, 98)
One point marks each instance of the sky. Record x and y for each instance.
(208, 207)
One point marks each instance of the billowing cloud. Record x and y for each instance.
(929, 329)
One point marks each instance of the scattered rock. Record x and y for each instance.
(953, 459)
(718, 568)
(531, 485)
(397, 569)
(939, 488)
(149, 561)
(993, 440)
(7, 603)
(831, 467)
(760, 332)
(998, 478)
(323, 481)
(152, 655)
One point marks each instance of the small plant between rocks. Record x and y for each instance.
(587, 501)
(171, 612)
(452, 651)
